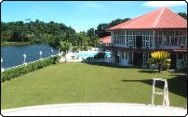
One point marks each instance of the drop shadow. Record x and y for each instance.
(109, 65)
(148, 71)
(177, 84)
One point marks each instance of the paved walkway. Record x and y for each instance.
(96, 109)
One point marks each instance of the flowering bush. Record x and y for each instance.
(161, 59)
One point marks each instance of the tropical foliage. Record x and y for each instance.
(161, 59)
(65, 46)
(41, 32)
(183, 14)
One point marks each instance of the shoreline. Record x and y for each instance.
(4, 44)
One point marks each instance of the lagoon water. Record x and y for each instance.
(13, 55)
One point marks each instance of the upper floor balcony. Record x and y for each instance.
(151, 40)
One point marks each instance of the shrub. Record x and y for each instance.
(55, 59)
(24, 69)
(100, 55)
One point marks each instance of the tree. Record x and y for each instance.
(117, 21)
(65, 47)
(94, 40)
(102, 30)
(161, 59)
(84, 40)
(184, 15)
(74, 39)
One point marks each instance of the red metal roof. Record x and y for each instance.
(105, 39)
(162, 18)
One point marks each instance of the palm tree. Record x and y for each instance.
(65, 46)
(160, 58)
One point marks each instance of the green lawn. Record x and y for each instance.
(81, 82)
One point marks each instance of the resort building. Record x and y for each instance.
(133, 41)
(105, 41)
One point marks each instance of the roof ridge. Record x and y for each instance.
(159, 16)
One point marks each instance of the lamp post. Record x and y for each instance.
(24, 55)
(40, 54)
(2, 64)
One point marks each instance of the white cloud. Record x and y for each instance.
(164, 3)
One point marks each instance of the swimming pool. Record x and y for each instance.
(86, 54)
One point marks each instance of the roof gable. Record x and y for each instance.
(106, 39)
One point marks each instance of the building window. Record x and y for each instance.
(119, 36)
(180, 56)
(151, 41)
(130, 60)
(182, 40)
(122, 54)
(167, 41)
(173, 41)
(147, 44)
(171, 37)
(114, 40)
(145, 58)
(125, 55)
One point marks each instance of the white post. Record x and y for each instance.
(24, 55)
(40, 54)
(2, 64)
(153, 91)
(166, 101)
(52, 52)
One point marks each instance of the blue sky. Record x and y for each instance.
(81, 15)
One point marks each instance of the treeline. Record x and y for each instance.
(41, 32)
(52, 33)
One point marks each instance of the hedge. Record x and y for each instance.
(24, 69)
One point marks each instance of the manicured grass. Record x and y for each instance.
(81, 82)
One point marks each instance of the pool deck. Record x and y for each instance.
(96, 109)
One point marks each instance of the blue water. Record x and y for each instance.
(86, 54)
(13, 55)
